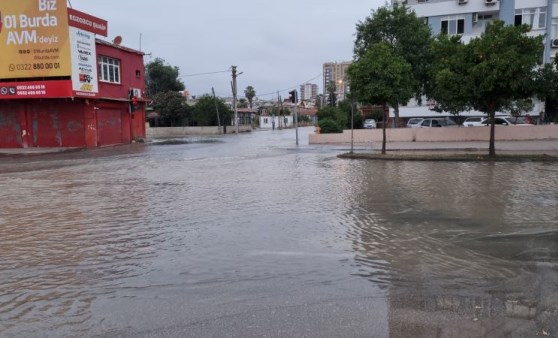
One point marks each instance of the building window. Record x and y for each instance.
(453, 25)
(554, 29)
(109, 69)
(534, 17)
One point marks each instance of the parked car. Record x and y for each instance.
(473, 121)
(499, 121)
(414, 122)
(369, 124)
(437, 122)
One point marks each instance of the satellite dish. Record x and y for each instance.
(117, 40)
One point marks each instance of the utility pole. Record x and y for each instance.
(280, 112)
(296, 121)
(234, 98)
(217, 110)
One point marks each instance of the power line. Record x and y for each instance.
(209, 73)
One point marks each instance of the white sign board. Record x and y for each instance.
(84, 62)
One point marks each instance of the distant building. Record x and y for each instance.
(308, 92)
(336, 72)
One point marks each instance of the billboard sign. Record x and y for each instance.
(84, 62)
(87, 22)
(34, 39)
(35, 89)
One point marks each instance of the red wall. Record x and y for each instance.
(130, 64)
(41, 123)
(75, 122)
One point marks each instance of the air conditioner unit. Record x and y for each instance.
(490, 2)
(554, 43)
(475, 17)
(462, 2)
(136, 92)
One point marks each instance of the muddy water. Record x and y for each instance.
(252, 236)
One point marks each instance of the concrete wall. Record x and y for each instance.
(166, 132)
(503, 133)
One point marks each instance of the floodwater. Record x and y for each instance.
(249, 235)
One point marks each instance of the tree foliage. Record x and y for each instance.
(381, 77)
(161, 77)
(250, 93)
(408, 36)
(242, 103)
(204, 113)
(348, 108)
(331, 93)
(490, 73)
(329, 125)
(163, 86)
(172, 108)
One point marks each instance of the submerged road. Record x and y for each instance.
(249, 235)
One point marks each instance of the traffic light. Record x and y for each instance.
(292, 96)
(133, 101)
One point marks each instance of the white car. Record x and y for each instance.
(499, 121)
(369, 124)
(414, 122)
(473, 121)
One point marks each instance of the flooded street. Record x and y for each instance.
(249, 235)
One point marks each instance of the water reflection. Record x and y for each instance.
(454, 240)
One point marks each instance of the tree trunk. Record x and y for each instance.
(386, 116)
(396, 115)
(492, 120)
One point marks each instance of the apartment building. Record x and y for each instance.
(308, 92)
(469, 18)
(336, 72)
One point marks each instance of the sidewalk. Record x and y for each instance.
(549, 147)
(35, 151)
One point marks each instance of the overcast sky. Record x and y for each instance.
(277, 45)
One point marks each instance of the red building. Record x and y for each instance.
(78, 92)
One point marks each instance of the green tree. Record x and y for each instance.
(328, 126)
(172, 108)
(450, 61)
(331, 93)
(408, 35)
(547, 87)
(348, 108)
(161, 77)
(204, 113)
(242, 103)
(250, 93)
(334, 119)
(493, 71)
(381, 77)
